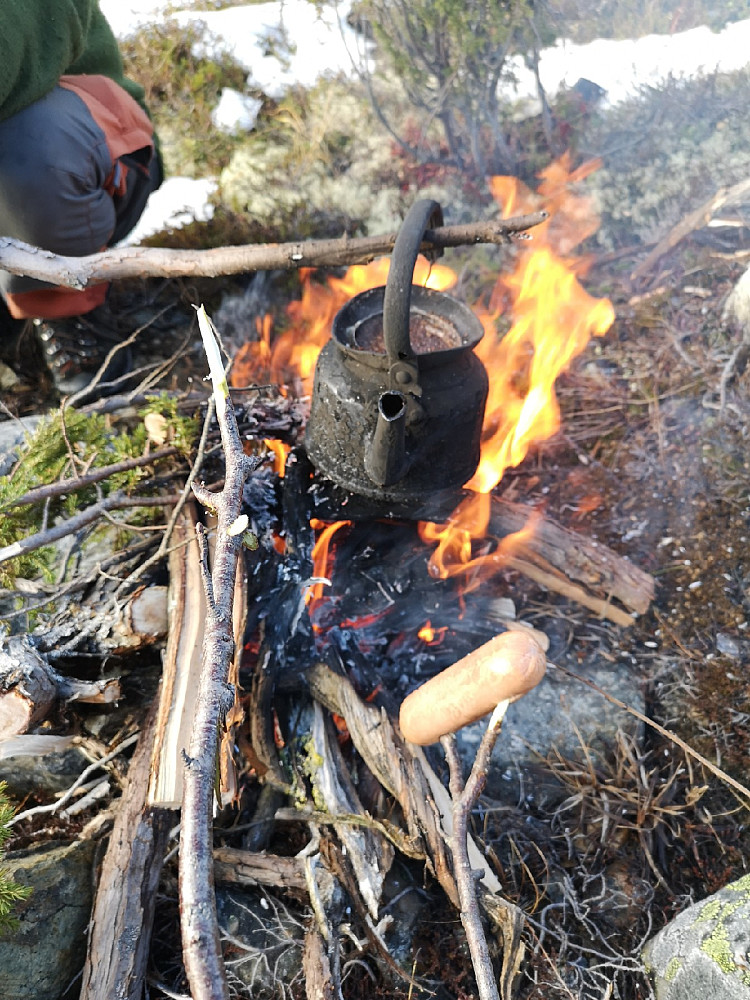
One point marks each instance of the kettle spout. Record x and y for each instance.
(385, 458)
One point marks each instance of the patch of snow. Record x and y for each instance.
(279, 43)
(236, 111)
(622, 66)
(178, 202)
(126, 16)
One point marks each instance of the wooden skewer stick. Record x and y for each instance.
(502, 669)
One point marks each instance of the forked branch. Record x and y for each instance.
(464, 797)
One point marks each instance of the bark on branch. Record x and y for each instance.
(157, 262)
(198, 920)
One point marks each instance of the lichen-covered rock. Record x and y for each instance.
(705, 951)
(44, 954)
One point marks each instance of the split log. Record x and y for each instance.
(182, 662)
(550, 554)
(368, 852)
(30, 688)
(123, 913)
(402, 769)
(578, 557)
(155, 262)
(182, 665)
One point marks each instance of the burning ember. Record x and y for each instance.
(551, 316)
(322, 558)
(280, 450)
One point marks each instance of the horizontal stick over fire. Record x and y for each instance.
(157, 262)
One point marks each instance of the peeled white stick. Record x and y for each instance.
(501, 670)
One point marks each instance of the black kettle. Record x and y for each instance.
(399, 395)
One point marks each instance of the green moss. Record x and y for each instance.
(62, 447)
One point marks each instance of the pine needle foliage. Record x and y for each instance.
(10, 891)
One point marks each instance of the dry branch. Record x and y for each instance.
(464, 798)
(30, 687)
(216, 697)
(155, 262)
(62, 486)
(122, 918)
(695, 220)
(592, 564)
(319, 983)
(402, 769)
(236, 867)
(116, 501)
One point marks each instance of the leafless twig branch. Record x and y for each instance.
(201, 941)
(156, 262)
(116, 501)
(464, 797)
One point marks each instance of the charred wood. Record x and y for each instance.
(551, 554)
(30, 688)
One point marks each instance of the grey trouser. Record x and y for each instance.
(54, 167)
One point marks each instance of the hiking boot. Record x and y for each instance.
(76, 347)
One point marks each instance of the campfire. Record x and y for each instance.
(537, 319)
(376, 566)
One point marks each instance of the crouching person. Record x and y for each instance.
(78, 160)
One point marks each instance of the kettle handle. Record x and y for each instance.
(424, 214)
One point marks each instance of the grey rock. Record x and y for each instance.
(43, 773)
(46, 952)
(12, 434)
(560, 713)
(705, 951)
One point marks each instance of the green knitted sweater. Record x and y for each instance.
(44, 39)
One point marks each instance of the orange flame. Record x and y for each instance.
(553, 318)
(322, 558)
(456, 551)
(432, 636)
(310, 320)
(280, 451)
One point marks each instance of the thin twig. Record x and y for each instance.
(667, 733)
(178, 507)
(464, 797)
(78, 483)
(54, 806)
(117, 501)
